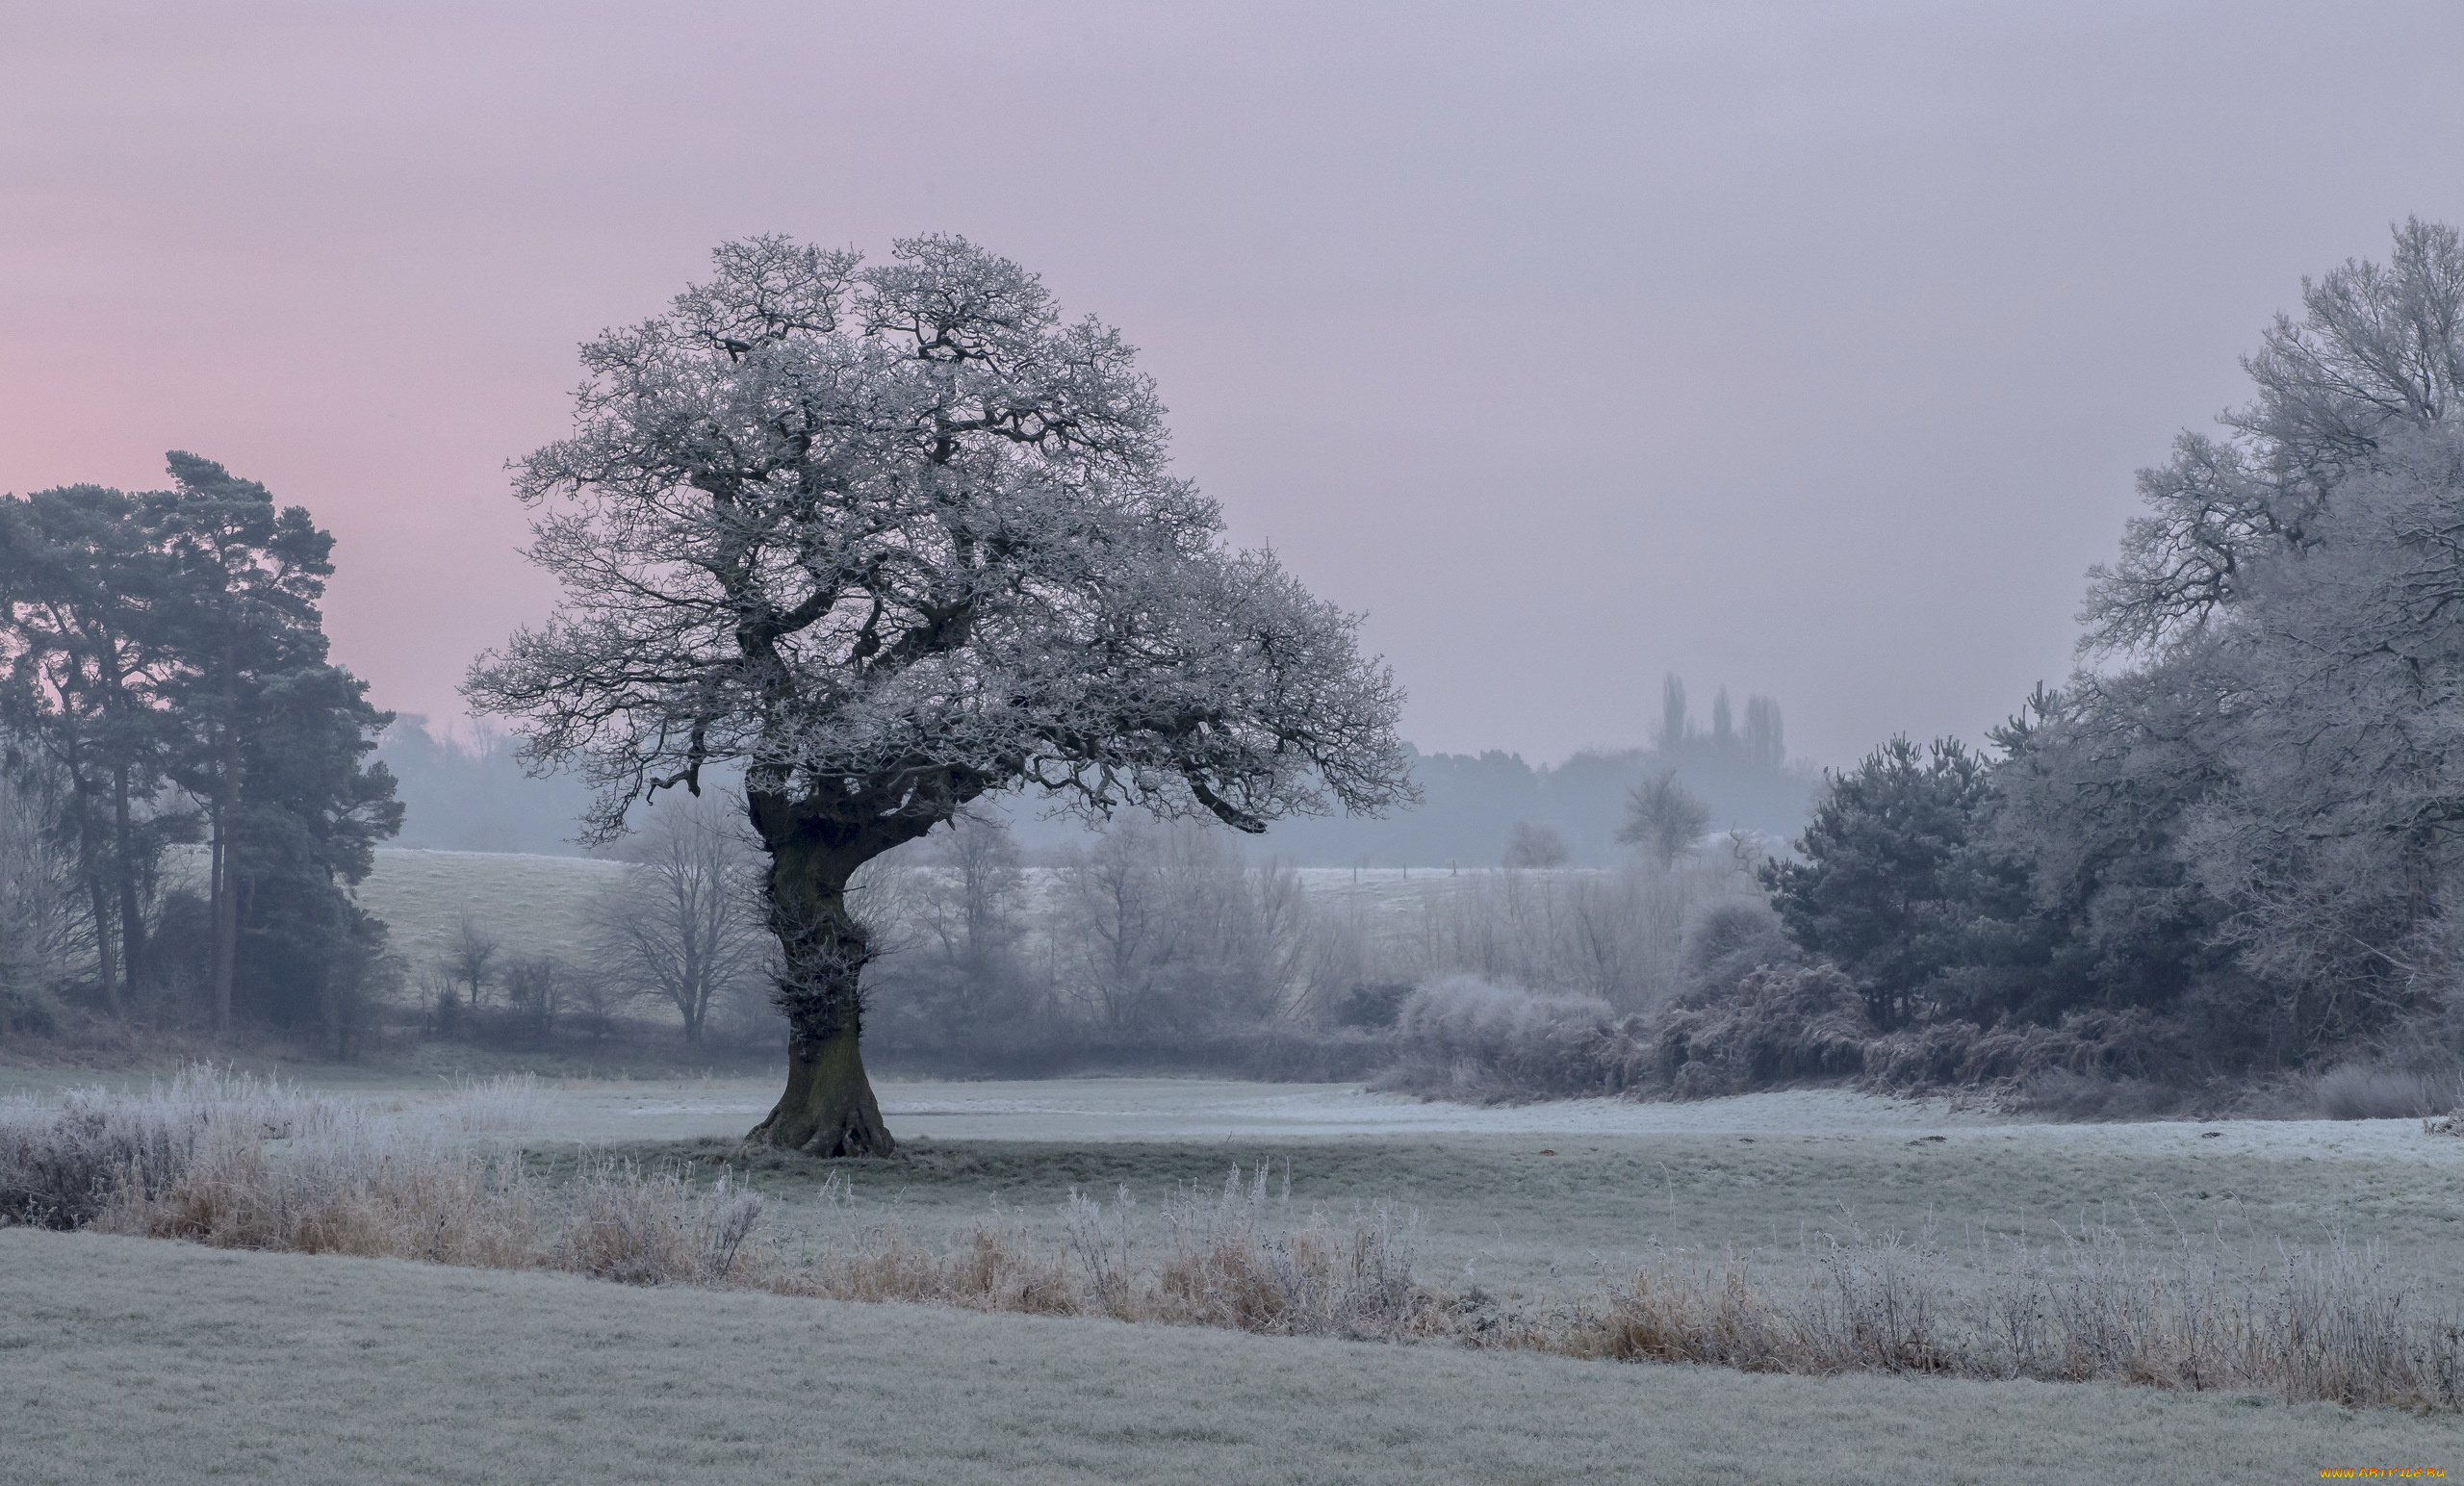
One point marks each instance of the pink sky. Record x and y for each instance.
(1803, 349)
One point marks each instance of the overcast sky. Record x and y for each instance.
(1807, 349)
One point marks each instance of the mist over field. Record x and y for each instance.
(475, 796)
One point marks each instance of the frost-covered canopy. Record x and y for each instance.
(2377, 354)
(895, 536)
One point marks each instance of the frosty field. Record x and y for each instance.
(1761, 1174)
(143, 1360)
(1525, 1198)
(138, 1361)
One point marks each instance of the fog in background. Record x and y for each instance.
(1806, 348)
(471, 794)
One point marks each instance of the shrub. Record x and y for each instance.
(60, 1173)
(2115, 1049)
(1464, 1037)
(1372, 1005)
(26, 1010)
(1728, 939)
(1781, 1025)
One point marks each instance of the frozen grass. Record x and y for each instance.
(1759, 1173)
(2359, 1091)
(63, 1159)
(265, 1168)
(2197, 1315)
(1688, 1245)
(1499, 1214)
(127, 1360)
(234, 1162)
(509, 1103)
(61, 1164)
(370, 1189)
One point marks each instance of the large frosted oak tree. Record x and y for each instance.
(891, 538)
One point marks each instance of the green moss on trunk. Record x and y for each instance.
(828, 1109)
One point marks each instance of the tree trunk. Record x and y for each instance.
(828, 1109)
(225, 911)
(132, 919)
(103, 947)
(226, 811)
(98, 892)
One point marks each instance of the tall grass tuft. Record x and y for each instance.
(1229, 1266)
(656, 1229)
(510, 1103)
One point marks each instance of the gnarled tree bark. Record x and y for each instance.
(828, 1109)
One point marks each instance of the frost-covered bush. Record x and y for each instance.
(1728, 939)
(94, 1152)
(1780, 1025)
(1465, 1037)
(59, 1168)
(2128, 1045)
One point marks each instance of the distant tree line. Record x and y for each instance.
(1495, 807)
(475, 794)
(187, 793)
(2235, 830)
(1161, 943)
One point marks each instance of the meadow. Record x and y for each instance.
(1762, 1175)
(326, 1365)
(138, 1361)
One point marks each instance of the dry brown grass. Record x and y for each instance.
(1228, 1266)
